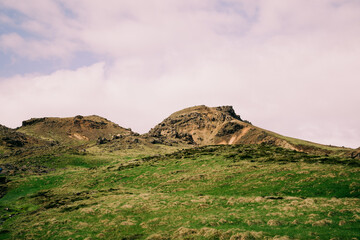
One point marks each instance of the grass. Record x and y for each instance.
(316, 147)
(213, 192)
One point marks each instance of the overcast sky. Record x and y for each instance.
(289, 66)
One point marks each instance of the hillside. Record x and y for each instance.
(202, 125)
(202, 173)
(212, 192)
(72, 129)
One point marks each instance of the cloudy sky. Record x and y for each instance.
(291, 66)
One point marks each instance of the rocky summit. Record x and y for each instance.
(204, 125)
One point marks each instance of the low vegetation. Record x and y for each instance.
(213, 192)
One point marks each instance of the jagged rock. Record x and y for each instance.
(155, 141)
(15, 142)
(117, 136)
(248, 122)
(186, 137)
(229, 128)
(230, 111)
(32, 121)
(102, 140)
(198, 125)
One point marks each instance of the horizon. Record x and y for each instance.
(288, 67)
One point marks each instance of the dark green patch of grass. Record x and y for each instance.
(66, 160)
(31, 185)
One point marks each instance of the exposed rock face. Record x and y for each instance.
(102, 140)
(229, 110)
(196, 125)
(211, 125)
(79, 128)
(229, 128)
(32, 121)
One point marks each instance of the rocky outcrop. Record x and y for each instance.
(74, 129)
(11, 138)
(203, 125)
(229, 110)
(229, 128)
(32, 121)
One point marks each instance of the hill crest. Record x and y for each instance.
(78, 128)
(204, 125)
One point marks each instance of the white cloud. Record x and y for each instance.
(58, 94)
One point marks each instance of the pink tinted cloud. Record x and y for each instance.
(286, 66)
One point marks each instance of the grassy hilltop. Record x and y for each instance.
(162, 186)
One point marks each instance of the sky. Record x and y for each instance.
(292, 67)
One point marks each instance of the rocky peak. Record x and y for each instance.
(198, 125)
(229, 110)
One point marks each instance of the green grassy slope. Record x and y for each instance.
(213, 192)
(312, 147)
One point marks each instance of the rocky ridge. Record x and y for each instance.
(194, 126)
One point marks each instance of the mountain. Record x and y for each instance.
(72, 129)
(202, 125)
(199, 125)
(202, 173)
